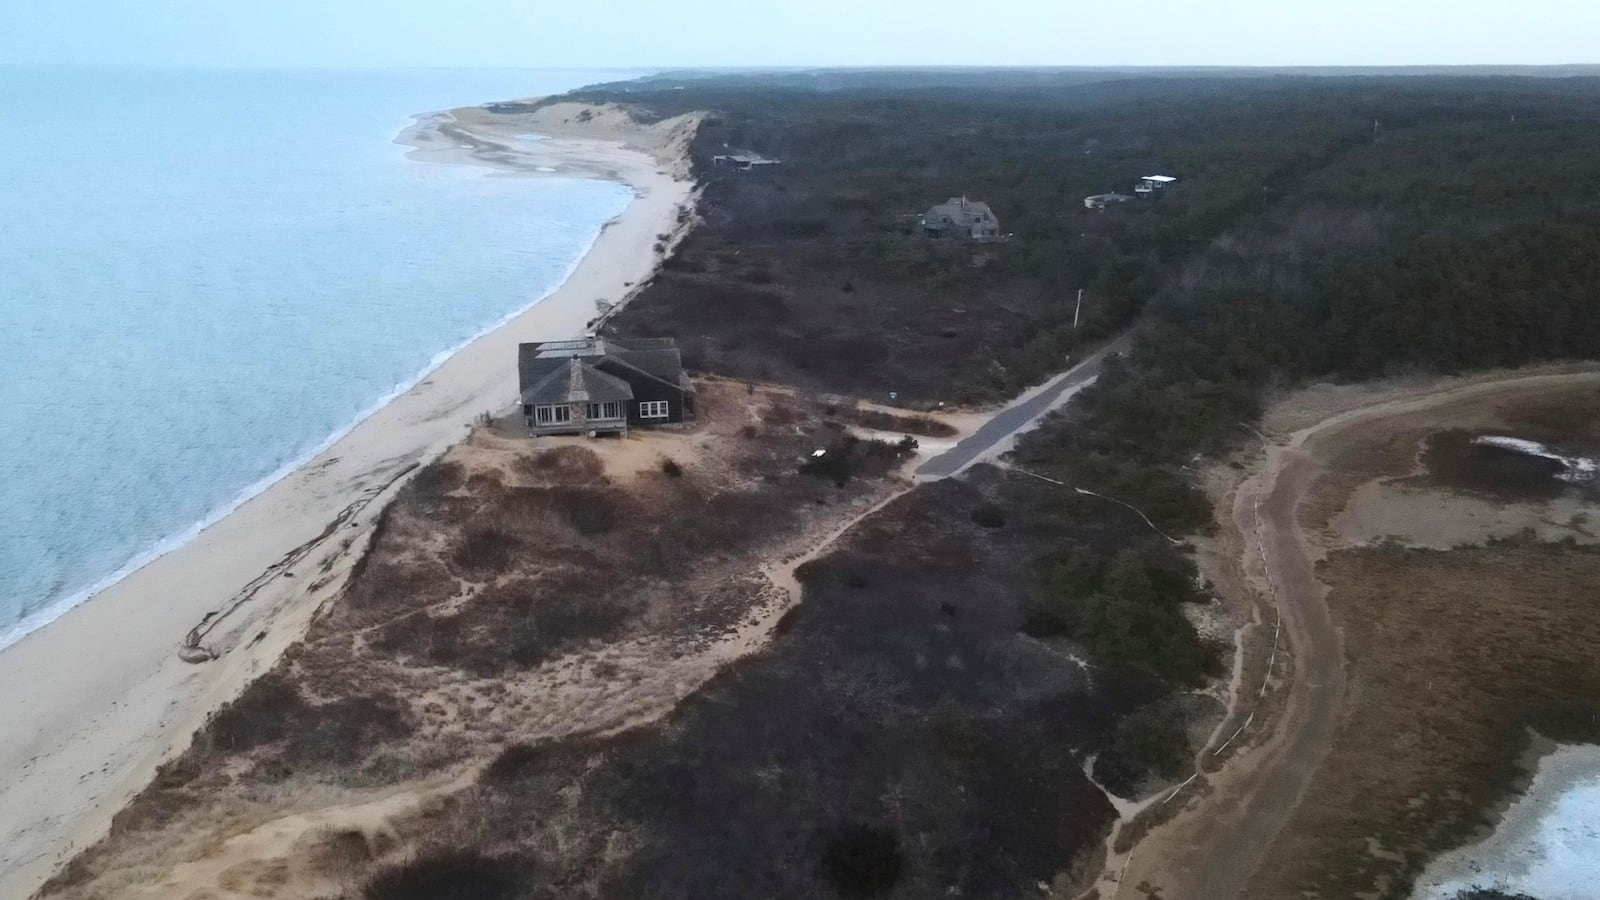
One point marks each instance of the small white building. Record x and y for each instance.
(1151, 184)
(743, 162)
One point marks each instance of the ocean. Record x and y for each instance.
(205, 276)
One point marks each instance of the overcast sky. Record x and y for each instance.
(664, 33)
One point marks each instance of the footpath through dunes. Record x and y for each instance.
(1414, 676)
(82, 739)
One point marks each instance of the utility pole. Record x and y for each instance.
(1077, 309)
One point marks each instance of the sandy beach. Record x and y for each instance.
(96, 700)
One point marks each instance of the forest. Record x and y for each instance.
(977, 665)
(1323, 228)
(1339, 227)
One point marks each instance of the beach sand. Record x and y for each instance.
(95, 701)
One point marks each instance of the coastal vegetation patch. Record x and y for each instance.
(1457, 659)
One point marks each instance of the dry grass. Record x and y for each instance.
(565, 465)
(878, 420)
(1454, 656)
(512, 591)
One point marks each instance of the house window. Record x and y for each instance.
(552, 415)
(611, 410)
(653, 409)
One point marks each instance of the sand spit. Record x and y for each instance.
(96, 700)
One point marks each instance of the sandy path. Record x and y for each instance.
(1214, 848)
(93, 702)
(1243, 829)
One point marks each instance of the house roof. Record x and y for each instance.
(663, 362)
(574, 381)
(538, 365)
(960, 211)
(752, 159)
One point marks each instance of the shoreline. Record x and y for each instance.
(177, 540)
(1523, 848)
(92, 736)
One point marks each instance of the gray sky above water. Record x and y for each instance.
(604, 33)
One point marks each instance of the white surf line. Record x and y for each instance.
(300, 462)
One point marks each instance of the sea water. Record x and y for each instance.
(1546, 845)
(206, 274)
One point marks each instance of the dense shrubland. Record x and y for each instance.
(1298, 244)
(928, 684)
(1324, 228)
(920, 728)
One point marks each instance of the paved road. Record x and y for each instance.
(1019, 415)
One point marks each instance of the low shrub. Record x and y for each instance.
(487, 483)
(1126, 612)
(779, 414)
(862, 860)
(879, 420)
(955, 733)
(900, 449)
(556, 623)
(272, 710)
(850, 456)
(264, 713)
(1150, 742)
(344, 731)
(451, 875)
(562, 465)
(671, 469)
(834, 464)
(439, 478)
(989, 515)
(486, 550)
(589, 512)
(516, 762)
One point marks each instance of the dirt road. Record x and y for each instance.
(1284, 767)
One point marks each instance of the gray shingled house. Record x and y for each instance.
(602, 385)
(962, 218)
